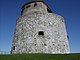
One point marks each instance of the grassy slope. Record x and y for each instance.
(40, 57)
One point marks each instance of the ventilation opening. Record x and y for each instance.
(41, 33)
(49, 11)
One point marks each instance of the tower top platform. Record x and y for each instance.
(32, 1)
(39, 5)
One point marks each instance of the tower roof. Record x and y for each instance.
(31, 1)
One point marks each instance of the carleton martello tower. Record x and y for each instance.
(38, 30)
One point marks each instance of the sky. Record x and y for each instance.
(10, 11)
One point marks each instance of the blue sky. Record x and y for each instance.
(69, 9)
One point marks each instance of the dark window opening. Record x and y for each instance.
(35, 4)
(35, 44)
(40, 33)
(49, 10)
(67, 36)
(13, 47)
(53, 44)
(27, 6)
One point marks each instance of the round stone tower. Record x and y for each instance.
(38, 30)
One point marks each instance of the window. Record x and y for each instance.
(13, 47)
(49, 10)
(40, 33)
(53, 44)
(67, 36)
(27, 6)
(35, 4)
(35, 44)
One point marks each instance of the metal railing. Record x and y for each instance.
(4, 52)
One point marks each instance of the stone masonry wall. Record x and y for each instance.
(28, 40)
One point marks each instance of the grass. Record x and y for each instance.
(40, 57)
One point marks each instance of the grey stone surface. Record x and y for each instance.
(27, 38)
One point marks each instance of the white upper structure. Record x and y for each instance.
(38, 30)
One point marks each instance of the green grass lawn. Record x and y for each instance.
(40, 57)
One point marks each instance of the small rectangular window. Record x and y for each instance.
(40, 33)
(67, 36)
(13, 47)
